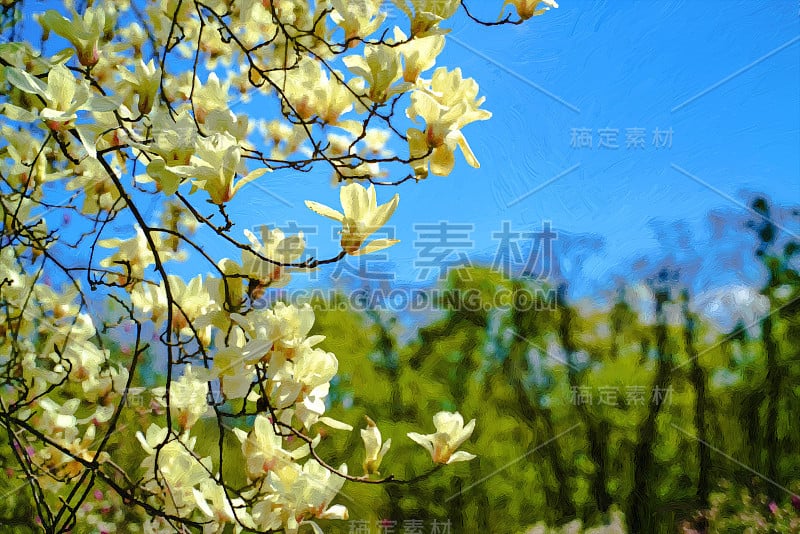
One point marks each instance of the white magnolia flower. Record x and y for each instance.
(63, 95)
(380, 69)
(446, 107)
(84, 32)
(531, 8)
(144, 82)
(188, 399)
(262, 448)
(308, 493)
(426, 15)
(275, 246)
(292, 325)
(59, 417)
(304, 381)
(418, 54)
(180, 471)
(450, 434)
(214, 502)
(361, 218)
(375, 447)
(358, 18)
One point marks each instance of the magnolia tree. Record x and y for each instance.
(125, 103)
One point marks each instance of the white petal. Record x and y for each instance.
(355, 201)
(336, 511)
(25, 81)
(200, 499)
(324, 210)
(333, 423)
(460, 456)
(374, 246)
(467, 432)
(425, 441)
(384, 212)
(465, 148)
(314, 527)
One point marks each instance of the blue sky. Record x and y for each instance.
(722, 76)
(719, 79)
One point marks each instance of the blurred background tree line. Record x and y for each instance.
(584, 412)
(588, 415)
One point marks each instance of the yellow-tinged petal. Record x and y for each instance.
(249, 178)
(442, 161)
(425, 106)
(465, 148)
(374, 246)
(16, 113)
(358, 66)
(356, 200)
(420, 439)
(61, 86)
(460, 456)
(324, 210)
(337, 511)
(418, 152)
(333, 423)
(167, 180)
(26, 82)
(384, 212)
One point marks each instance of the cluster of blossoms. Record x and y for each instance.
(267, 359)
(105, 119)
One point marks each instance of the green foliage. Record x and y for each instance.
(735, 510)
(545, 456)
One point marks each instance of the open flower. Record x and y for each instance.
(174, 140)
(447, 106)
(362, 217)
(188, 397)
(213, 167)
(358, 18)
(277, 247)
(450, 434)
(214, 502)
(173, 143)
(133, 254)
(63, 96)
(380, 69)
(84, 32)
(179, 469)
(426, 15)
(262, 448)
(313, 489)
(374, 447)
(418, 54)
(144, 83)
(530, 8)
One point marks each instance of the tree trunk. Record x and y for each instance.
(697, 377)
(641, 511)
(597, 449)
